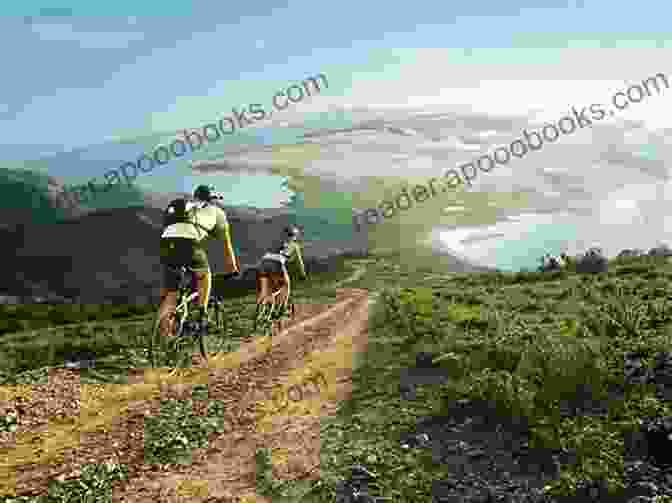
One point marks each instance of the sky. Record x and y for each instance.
(83, 74)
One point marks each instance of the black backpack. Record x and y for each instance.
(176, 212)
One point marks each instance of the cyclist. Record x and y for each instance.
(187, 226)
(272, 270)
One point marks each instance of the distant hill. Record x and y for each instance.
(26, 196)
(111, 254)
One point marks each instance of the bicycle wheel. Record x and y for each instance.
(201, 346)
(181, 346)
(259, 314)
(267, 319)
(201, 334)
(216, 305)
(157, 341)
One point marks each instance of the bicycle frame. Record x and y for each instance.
(183, 306)
(266, 315)
(185, 296)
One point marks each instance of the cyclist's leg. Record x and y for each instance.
(262, 286)
(265, 279)
(203, 276)
(284, 286)
(169, 249)
(280, 288)
(166, 307)
(204, 286)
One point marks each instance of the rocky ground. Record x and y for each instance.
(493, 461)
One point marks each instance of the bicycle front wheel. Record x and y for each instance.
(181, 346)
(263, 317)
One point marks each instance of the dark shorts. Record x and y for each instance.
(178, 252)
(270, 266)
(274, 271)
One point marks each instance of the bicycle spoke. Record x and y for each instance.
(201, 343)
(181, 350)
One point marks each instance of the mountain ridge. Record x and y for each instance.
(112, 254)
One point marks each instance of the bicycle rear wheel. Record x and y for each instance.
(201, 344)
(157, 343)
(216, 307)
(181, 346)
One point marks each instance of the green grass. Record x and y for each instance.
(23, 317)
(525, 342)
(118, 335)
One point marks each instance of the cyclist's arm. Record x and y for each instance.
(299, 259)
(223, 231)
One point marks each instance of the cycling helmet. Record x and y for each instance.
(292, 231)
(206, 193)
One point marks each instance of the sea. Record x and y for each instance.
(510, 245)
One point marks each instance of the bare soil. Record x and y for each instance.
(55, 437)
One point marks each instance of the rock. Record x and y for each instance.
(660, 251)
(79, 360)
(647, 488)
(407, 391)
(630, 253)
(634, 372)
(10, 299)
(591, 262)
(658, 437)
(424, 360)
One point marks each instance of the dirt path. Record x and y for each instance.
(106, 422)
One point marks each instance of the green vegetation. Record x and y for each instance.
(93, 486)
(118, 334)
(534, 345)
(531, 344)
(22, 317)
(171, 436)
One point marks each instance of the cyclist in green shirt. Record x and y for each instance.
(187, 226)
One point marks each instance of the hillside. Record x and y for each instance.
(111, 254)
(521, 387)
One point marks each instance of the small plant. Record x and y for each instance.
(9, 421)
(267, 485)
(171, 436)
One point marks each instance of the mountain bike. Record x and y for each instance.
(185, 331)
(267, 313)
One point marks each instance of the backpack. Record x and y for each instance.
(176, 212)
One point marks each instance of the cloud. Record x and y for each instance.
(583, 175)
(49, 31)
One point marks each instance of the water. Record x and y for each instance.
(521, 245)
(525, 239)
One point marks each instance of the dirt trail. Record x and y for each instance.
(106, 422)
